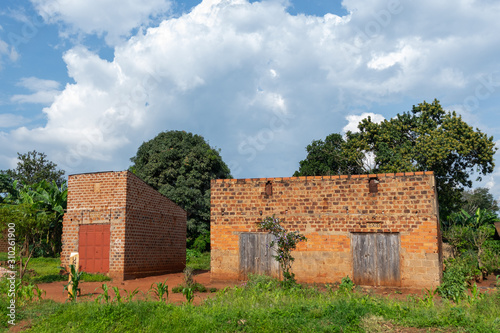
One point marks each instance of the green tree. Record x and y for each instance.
(33, 167)
(7, 187)
(41, 208)
(180, 165)
(32, 228)
(479, 198)
(329, 157)
(428, 138)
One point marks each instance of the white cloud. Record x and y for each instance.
(239, 72)
(36, 84)
(6, 51)
(404, 56)
(44, 91)
(112, 18)
(11, 120)
(354, 120)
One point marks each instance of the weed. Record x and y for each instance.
(428, 299)
(475, 295)
(195, 286)
(346, 285)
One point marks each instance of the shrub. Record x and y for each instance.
(286, 242)
(455, 278)
(491, 256)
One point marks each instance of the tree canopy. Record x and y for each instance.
(33, 167)
(428, 138)
(180, 165)
(479, 198)
(37, 211)
(329, 157)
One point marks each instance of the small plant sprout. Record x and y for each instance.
(118, 297)
(129, 295)
(285, 242)
(159, 289)
(189, 294)
(73, 285)
(105, 294)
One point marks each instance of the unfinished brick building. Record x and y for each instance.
(121, 226)
(379, 229)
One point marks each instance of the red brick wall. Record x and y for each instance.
(155, 233)
(146, 227)
(4, 246)
(327, 210)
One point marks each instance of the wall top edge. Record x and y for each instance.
(364, 176)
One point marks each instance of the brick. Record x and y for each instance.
(148, 230)
(327, 210)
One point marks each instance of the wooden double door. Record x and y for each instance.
(376, 259)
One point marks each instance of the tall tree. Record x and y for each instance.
(329, 157)
(180, 165)
(33, 167)
(479, 198)
(428, 138)
(7, 187)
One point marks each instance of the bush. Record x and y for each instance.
(459, 272)
(491, 256)
(202, 242)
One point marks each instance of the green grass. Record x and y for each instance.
(197, 260)
(46, 270)
(264, 306)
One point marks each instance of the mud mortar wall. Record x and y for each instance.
(327, 210)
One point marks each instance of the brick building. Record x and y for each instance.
(121, 226)
(379, 229)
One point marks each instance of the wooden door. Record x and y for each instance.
(93, 246)
(256, 256)
(375, 258)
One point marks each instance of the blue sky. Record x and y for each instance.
(87, 83)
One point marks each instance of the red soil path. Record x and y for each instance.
(90, 290)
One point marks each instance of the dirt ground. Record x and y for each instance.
(90, 290)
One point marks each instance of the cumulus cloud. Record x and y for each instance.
(112, 18)
(257, 82)
(354, 120)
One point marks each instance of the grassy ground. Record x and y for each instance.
(262, 305)
(197, 260)
(43, 270)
